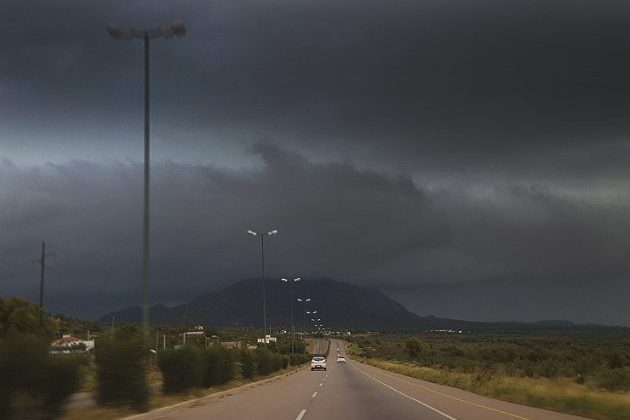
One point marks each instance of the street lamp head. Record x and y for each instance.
(178, 28)
(273, 232)
(119, 32)
(283, 279)
(308, 300)
(297, 279)
(175, 29)
(251, 232)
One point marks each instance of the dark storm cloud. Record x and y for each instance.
(513, 89)
(507, 122)
(334, 220)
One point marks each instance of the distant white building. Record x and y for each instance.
(68, 344)
(268, 339)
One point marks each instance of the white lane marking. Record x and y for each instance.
(314, 394)
(452, 397)
(321, 384)
(407, 396)
(299, 417)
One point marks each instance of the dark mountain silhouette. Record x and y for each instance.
(338, 305)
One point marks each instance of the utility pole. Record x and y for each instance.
(42, 263)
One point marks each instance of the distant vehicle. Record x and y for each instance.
(318, 362)
(341, 359)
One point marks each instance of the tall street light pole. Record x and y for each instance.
(119, 32)
(303, 300)
(290, 283)
(262, 269)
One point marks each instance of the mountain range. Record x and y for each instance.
(338, 305)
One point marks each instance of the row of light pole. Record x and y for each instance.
(177, 29)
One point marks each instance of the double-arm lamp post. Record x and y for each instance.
(290, 283)
(120, 32)
(262, 235)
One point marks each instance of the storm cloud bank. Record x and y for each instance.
(429, 248)
(469, 158)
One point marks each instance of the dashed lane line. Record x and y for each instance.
(496, 410)
(299, 417)
(407, 396)
(314, 394)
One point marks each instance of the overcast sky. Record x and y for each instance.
(469, 158)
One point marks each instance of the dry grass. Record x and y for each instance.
(561, 395)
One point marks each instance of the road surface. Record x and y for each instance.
(354, 391)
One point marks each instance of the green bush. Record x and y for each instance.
(614, 379)
(228, 366)
(33, 383)
(248, 364)
(182, 369)
(264, 361)
(215, 366)
(299, 358)
(121, 372)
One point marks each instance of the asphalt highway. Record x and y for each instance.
(354, 391)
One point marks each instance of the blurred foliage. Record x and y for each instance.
(248, 363)
(121, 371)
(183, 368)
(33, 383)
(19, 316)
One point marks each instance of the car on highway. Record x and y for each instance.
(341, 359)
(318, 362)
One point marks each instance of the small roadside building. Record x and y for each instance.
(68, 344)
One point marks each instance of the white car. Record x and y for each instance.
(341, 359)
(318, 362)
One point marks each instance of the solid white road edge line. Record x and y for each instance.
(299, 417)
(407, 396)
(314, 394)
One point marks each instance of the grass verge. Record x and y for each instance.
(562, 395)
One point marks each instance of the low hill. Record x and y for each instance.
(339, 306)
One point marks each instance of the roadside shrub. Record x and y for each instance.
(248, 364)
(614, 379)
(228, 365)
(413, 347)
(182, 369)
(298, 359)
(264, 361)
(121, 372)
(276, 362)
(215, 366)
(33, 383)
